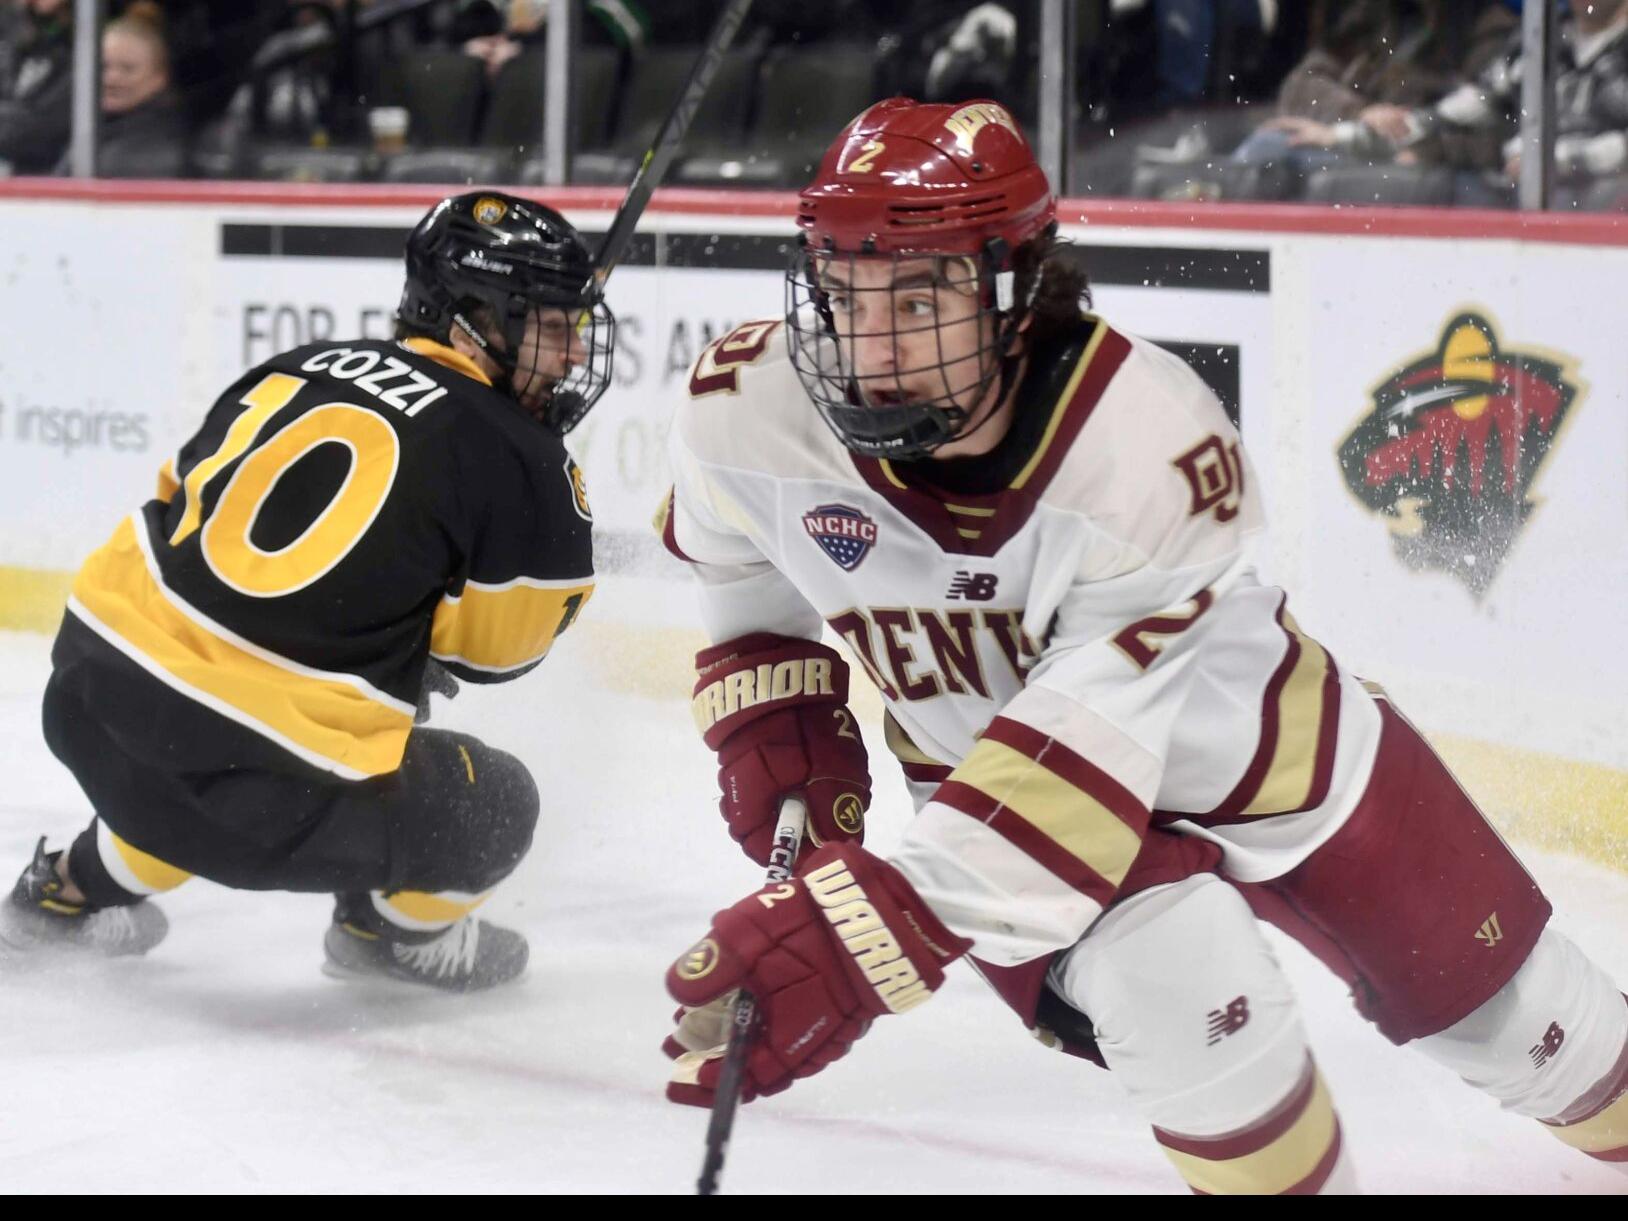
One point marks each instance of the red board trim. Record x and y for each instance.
(1267, 219)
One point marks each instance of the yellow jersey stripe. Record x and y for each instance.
(420, 907)
(129, 863)
(325, 719)
(504, 627)
(168, 484)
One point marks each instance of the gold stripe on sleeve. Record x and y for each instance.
(1065, 814)
(504, 627)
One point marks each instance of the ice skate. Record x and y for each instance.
(37, 917)
(469, 956)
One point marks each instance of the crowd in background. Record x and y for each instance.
(1405, 101)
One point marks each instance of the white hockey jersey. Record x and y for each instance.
(1066, 661)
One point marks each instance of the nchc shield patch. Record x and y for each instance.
(843, 533)
(1448, 452)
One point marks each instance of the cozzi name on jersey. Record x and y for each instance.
(379, 375)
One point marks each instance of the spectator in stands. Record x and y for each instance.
(495, 32)
(1475, 126)
(13, 29)
(953, 53)
(1381, 59)
(1591, 100)
(1189, 34)
(36, 101)
(976, 59)
(289, 102)
(143, 131)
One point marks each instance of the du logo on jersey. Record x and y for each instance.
(843, 533)
(1449, 450)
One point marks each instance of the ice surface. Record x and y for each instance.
(226, 1062)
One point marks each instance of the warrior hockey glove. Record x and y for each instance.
(775, 710)
(846, 941)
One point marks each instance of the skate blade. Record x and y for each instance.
(357, 975)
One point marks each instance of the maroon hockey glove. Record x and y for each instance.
(775, 710)
(846, 941)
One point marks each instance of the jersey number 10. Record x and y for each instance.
(375, 455)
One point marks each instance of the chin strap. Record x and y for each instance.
(998, 261)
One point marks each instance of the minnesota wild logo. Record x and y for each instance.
(1447, 453)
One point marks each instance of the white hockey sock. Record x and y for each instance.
(1552, 1045)
(1212, 1053)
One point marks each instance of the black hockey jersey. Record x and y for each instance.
(345, 512)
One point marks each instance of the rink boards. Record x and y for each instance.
(1364, 352)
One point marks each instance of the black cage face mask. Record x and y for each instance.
(571, 363)
(899, 352)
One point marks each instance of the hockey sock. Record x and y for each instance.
(1295, 1149)
(1553, 1045)
(115, 873)
(419, 912)
(1600, 1125)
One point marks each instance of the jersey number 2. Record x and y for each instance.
(718, 370)
(375, 456)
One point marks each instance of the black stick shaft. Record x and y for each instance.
(653, 167)
(788, 837)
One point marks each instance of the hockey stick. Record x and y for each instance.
(788, 837)
(653, 167)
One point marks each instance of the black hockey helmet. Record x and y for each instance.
(514, 256)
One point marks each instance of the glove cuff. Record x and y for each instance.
(752, 676)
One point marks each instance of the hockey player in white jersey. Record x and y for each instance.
(1035, 534)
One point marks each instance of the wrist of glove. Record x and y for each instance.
(774, 708)
(846, 941)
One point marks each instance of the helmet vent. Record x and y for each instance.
(927, 215)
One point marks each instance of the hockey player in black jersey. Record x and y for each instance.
(235, 680)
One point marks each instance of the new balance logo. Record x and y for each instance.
(1228, 1021)
(1545, 1051)
(1489, 934)
(973, 586)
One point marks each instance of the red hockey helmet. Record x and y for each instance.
(958, 187)
(933, 178)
